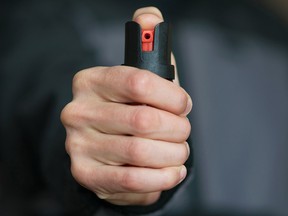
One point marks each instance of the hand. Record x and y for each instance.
(127, 130)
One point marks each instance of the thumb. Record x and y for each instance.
(148, 17)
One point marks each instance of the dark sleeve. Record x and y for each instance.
(40, 55)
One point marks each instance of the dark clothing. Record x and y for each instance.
(43, 48)
(232, 58)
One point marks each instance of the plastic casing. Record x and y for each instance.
(159, 59)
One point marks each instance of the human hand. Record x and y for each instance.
(127, 130)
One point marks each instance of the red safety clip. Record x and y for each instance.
(147, 40)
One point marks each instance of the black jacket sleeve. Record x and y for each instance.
(40, 53)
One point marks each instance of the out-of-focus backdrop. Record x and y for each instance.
(232, 57)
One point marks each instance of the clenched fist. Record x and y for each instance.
(127, 130)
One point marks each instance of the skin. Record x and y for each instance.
(127, 130)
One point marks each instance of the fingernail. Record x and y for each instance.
(188, 106)
(188, 148)
(148, 10)
(183, 173)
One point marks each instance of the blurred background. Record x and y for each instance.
(232, 57)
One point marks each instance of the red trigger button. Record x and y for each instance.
(147, 40)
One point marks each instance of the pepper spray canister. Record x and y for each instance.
(149, 49)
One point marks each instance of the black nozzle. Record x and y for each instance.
(157, 60)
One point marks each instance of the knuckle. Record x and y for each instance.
(74, 144)
(67, 113)
(129, 181)
(79, 81)
(139, 84)
(144, 120)
(69, 145)
(85, 175)
(71, 114)
(87, 78)
(80, 173)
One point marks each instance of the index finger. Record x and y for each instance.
(123, 84)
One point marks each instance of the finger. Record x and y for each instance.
(131, 198)
(114, 179)
(138, 120)
(123, 150)
(124, 84)
(148, 17)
